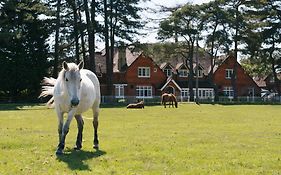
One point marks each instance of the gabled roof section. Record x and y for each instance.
(166, 65)
(131, 54)
(199, 66)
(180, 65)
(260, 81)
(170, 79)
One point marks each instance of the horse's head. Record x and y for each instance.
(72, 79)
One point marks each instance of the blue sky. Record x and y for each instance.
(151, 27)
(153, 18)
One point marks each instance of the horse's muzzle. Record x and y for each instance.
(74, 102)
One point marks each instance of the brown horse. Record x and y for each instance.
(170, 99)
(136, 105)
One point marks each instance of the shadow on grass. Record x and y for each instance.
(17, 106)
(76, 159)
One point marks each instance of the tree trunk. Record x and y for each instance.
(108, 60)
(82, 39)
(234, 76)
(191, 72)
(93, 20)
(56, 56)
(90, 37)
(75, 18)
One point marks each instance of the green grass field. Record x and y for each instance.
(205, 139)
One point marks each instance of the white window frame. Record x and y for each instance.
(251, 90)
(143, 72)
(185, 92)
(228, 91)
(183, 73)
(200, 73)
(228, 73)
(168, 72)
(144, 92)
(120, 88)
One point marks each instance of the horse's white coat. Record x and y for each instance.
(74, 92)
(88, 93)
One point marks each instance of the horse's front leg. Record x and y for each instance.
(96, 124)
(65, 130)
(60, 125)
(80, 124)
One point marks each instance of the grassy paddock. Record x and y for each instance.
(205, 139)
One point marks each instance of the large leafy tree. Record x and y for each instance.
(23, 49)
(269, 13)
(121, 24)
(185, 24)
(217, 38)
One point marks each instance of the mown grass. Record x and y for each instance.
(205, 139)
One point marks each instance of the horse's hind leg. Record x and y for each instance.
(96, 124)
(80, 124)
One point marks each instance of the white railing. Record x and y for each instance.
(221, 99)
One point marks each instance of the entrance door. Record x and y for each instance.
(170, 90)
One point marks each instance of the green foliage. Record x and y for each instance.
(208, 139)
(256, 67)
(23, 48)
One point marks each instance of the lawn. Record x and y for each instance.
(205, 139)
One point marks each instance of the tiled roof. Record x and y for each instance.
(260, 81)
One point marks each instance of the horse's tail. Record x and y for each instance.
(48, 89)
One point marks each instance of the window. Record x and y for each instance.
(228, 91)
(209, 93)
(119, 90)
(271, 80)
(251, 91)
(200, 73)
(183, 73)
(144, 91)
(228, 73)
(144, 72)
(168, 72)
(184, 92)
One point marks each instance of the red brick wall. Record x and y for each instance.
(244, 81)
(156, 79)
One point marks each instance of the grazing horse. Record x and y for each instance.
(74, 92)
(136, 105)
(170, 99)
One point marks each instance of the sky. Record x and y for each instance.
(153, 18)
(151, 27)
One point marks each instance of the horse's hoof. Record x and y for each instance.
(96, 146)
(77, 148)
(59, 152)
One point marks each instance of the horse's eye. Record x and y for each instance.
(66, 79)
(81, 79)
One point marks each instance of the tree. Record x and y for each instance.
(269, 13)
(23, 48)
(217, 40)
(121, 21)
(185, 23)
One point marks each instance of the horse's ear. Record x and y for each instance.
(81, 65)
(64, 65)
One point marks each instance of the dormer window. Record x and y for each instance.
(200, 73)
(168, 72)
(228, 73)
(183, 73)
(144, 72)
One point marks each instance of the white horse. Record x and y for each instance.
(74, 92)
